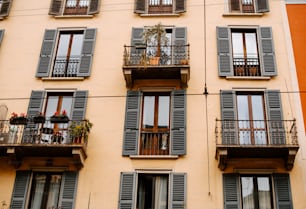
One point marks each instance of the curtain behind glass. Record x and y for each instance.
(54, 190)
(161, 187)
(39, 184)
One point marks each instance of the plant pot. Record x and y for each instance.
(184, 62)
(18, 121)
(253, 71)
(154, 60)
(39, 119)
(59, 119)
(239, 71)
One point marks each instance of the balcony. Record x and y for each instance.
(239, 141)
(46, 140)
(140, 62)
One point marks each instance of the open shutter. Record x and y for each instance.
(131, 124)
(231, 191)
(268, 54)
(68, 190)
(180, 39)
(178, 122)
(178, 190)
(136, 52)
(94, 7)
(79, 105)
(46, 53)
(127, 191)
(1, 35)
(87, 52)
(140, 6)
(229, 116)
(225, 63)
(180, 6)
(56, 7)
(282, 191)
(5, 8)
(21, 185)
(262, 5)
(275, 116)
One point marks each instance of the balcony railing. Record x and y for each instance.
(76, 7)
(66, 67)
(246, 67)
(154, 143)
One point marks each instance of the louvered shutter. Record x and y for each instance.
(178, 122)
(282, 191)
(46, 54)
(127, 191)
(229, 116)
(178, 190)
(68, 190)
(135, 52)
(262, 5)
(56, 7)
(21, 185)
(180, 39)
(225, 64)
(79, 105)
(131, 124)
(275, 116)
(94, 7)
(87, 52)
(231, 191)
(140, 6)
(235, 5)
(5, 8)
(1, 35)
(180, 6)
(268, 54)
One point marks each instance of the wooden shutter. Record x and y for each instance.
(282, 191)
(79, 105)
(275, 116)
(178, 122)
(1, 35)
(262, 5)
(131, 124)
(178, 190)
(56, 7)
(140, 6)
(46, 53)
(231, 191)
(94, 7)
(68, 190)
(229, 116)
(127, 191)
(180, 39)
(180, 6)
(5, 8)
(225, 63)
(21, 185)
(87, 52)
(268, 54)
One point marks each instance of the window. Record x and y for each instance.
(74, 7)
(44, 189)
(152, 190)
(160, 6)
(162, 127)
(248, 6)
(66, 53)
(245, 52)
(256, 191)
(5, 6)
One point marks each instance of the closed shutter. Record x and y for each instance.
(131, 124)
(140, 6)
(127, 191)
(1, 35)
(21, 185)
(94, 7)
(282, 191)
(178, 190)
(56, 7)
(275, 116)
(225, 64)
(68, 190)
(5, 8)
(46, 54)
(135, 52)
(229, 116)
(178, 122)
(87, 52)
(231, 191)
(180, 6)
(262, 5)
(180, 39)
(268, 54)
(79, 105)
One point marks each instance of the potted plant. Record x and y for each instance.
(79, 130)
(18, 120)
(59, 117)
(39, 118)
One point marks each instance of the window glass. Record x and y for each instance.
(148, 111)
(164, 111)
(237, 45)
(76, 46)
(251, 45)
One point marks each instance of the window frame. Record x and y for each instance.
(57, 8)
(142, 8)
(259, 6)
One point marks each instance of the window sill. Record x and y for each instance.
(160, 15)
(154, 157)
(243, 14)
(248, 78)
(72, 16)
(63, 78)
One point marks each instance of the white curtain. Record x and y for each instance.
(39, 190)
(161, 187)
(54, 191)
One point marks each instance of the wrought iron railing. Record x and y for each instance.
(246, 67)
(154, 143)
(256, 132)
(66, 67)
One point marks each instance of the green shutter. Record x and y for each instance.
(225, 64)
(268, 54)
(178, 190)
(180, 6)
(140, 6)
(87, 52)
(231, 191)
(79, 105)
(228, 113)
(68, 190)
(94, 7)
(127, 191)
(46, 53)
(136, 53)
(180, 39)
(1, 35)
(178, 122)
(282, 191)
(5, 8)
(56, 7)
(21, 185)
(262, 6)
